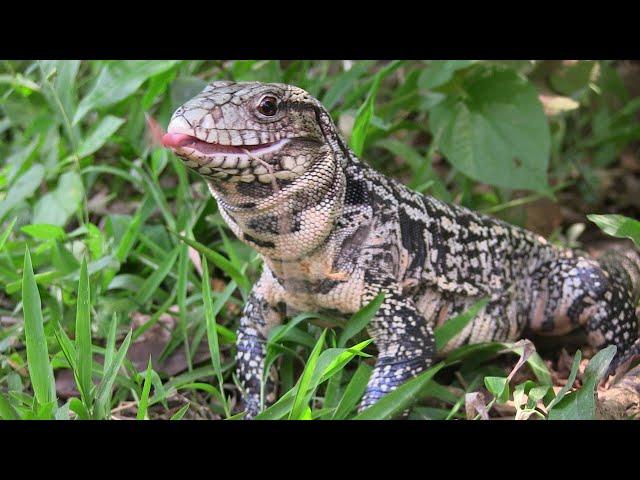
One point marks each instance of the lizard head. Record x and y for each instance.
(272, 159)
(249, 133)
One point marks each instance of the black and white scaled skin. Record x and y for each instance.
(334, 233)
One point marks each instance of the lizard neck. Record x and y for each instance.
(292, 220)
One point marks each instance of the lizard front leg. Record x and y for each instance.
(258, 317)
(405, 344)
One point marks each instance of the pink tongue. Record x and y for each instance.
(173, 140)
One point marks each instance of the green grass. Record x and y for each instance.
(108, 243)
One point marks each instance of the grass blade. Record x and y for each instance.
(219, 261)
(143, 405)
(354, 391)
(180, 413)
(302, 396)
(360, 320)
(401, 398)
(212, 333)
(84, 358)
(6, 233)
(103, 392)
(453, 326)
(40, 370)
(572, 378)
(155, 279)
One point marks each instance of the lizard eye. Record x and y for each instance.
(268, 106)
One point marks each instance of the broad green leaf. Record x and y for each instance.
(572, 79)
(402, 397)
(84, 358)
(360, 320)
(618, 226)
(22, 189)
(40, 370)
(7, 412)
(57, 206)
(44, 231)
(99, 135)
(343, 83)
(76, 406)
(452, 327)
(497, 132)
(184, 89)
(117, 81)
(439, 72)
(580, 404)
(498, 387)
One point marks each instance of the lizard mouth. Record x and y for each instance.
(185, 144)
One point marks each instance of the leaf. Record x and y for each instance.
(360, 320)
(474, 405)
(76, 406)
(56, 207)
(333, 360)
(365, 112)
(184, 89)
(117, 81)
(143, 404)
(354, 391)
(497, 132)
(574, 78)
(99, 136)
(399, 399)
(219, 261)
(498, 387)
(23, 188)
(84, 358)
(40, 370)
(439, 72)
(572, 378)
(7, 412)
(180, 413)
(343, 83)
(452, 327)
(618, 226)
(302, 396)
(154, 280)
(103, 392)
(210, 318)
(6, 233)
(580, 404)
(44, 231)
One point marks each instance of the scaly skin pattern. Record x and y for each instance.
(334, 233)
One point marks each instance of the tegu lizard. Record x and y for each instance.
(334, 233)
